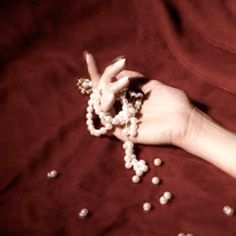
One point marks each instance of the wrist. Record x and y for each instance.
(195, 124)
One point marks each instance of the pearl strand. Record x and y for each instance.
(131, 103)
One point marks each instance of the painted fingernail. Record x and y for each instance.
(120, 62)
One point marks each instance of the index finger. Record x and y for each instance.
(92, 68)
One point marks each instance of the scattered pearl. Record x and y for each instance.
(52, 174)
(167, 195)
(135, 179)
(157, 161)
(155, 180)
(229, 211)
(181, 234)
(83, 213)
(163, 200)
(147, 206)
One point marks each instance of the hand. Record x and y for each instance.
(165, 111)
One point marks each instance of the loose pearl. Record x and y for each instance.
(52, 174)
(163, 200)
(147, 206)
(155, 180)
(167, 195)
(83, 213)
(135, 179)
(181, 234)
(157, 162)
(229, 211)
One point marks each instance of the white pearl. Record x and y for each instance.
(52, 174)
(147, 206)
(115, 121)
(89, 109)
(155, 180)
(167, 195)
(129, 151)
(157, 161)
(163, 200)
(142, 162)
(128, 165)
(89, 115)
(135, 179)
(143, 168)
(189, 234)
(89, 122)
(83, 213)
(108, 126)
(128, 144)
(108, 119)
(127, 158)
(181, 234)
(139, 172)
(125, 132)
(103, 130)
(229, 211)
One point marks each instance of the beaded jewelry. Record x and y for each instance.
(131, 103)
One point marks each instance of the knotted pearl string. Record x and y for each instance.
(131, 103)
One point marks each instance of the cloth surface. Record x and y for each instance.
(187, 44)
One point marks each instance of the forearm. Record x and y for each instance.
(213, 143)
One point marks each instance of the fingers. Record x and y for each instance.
(111, 71)
(130, 73)
(147, 87)
(92, 68)
(120, 84)
(108, 97)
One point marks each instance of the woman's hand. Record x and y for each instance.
(167, 117)
(165, 111)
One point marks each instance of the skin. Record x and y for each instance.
(167, 116)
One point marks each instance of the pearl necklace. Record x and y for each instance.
(131, 103)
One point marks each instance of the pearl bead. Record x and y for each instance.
(163, 200)
(139, 173)
(167, 195)
(127, 158)
(157, 161)
(181, 234)
(128, 144)
(128, 151)
(155, 180)
(52, 174)
(144, 168)
(83, 213)
(128, 165)
(135, 179)
(229, 211)
(147, 206)
(108, 126)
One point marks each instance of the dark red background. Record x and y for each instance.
(187, 44)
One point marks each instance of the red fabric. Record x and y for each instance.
(187, 44)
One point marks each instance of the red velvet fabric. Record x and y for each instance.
(187, 44)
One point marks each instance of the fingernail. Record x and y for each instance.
(86, 56)
(118, 58)
(120, 62)
(123, 79)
